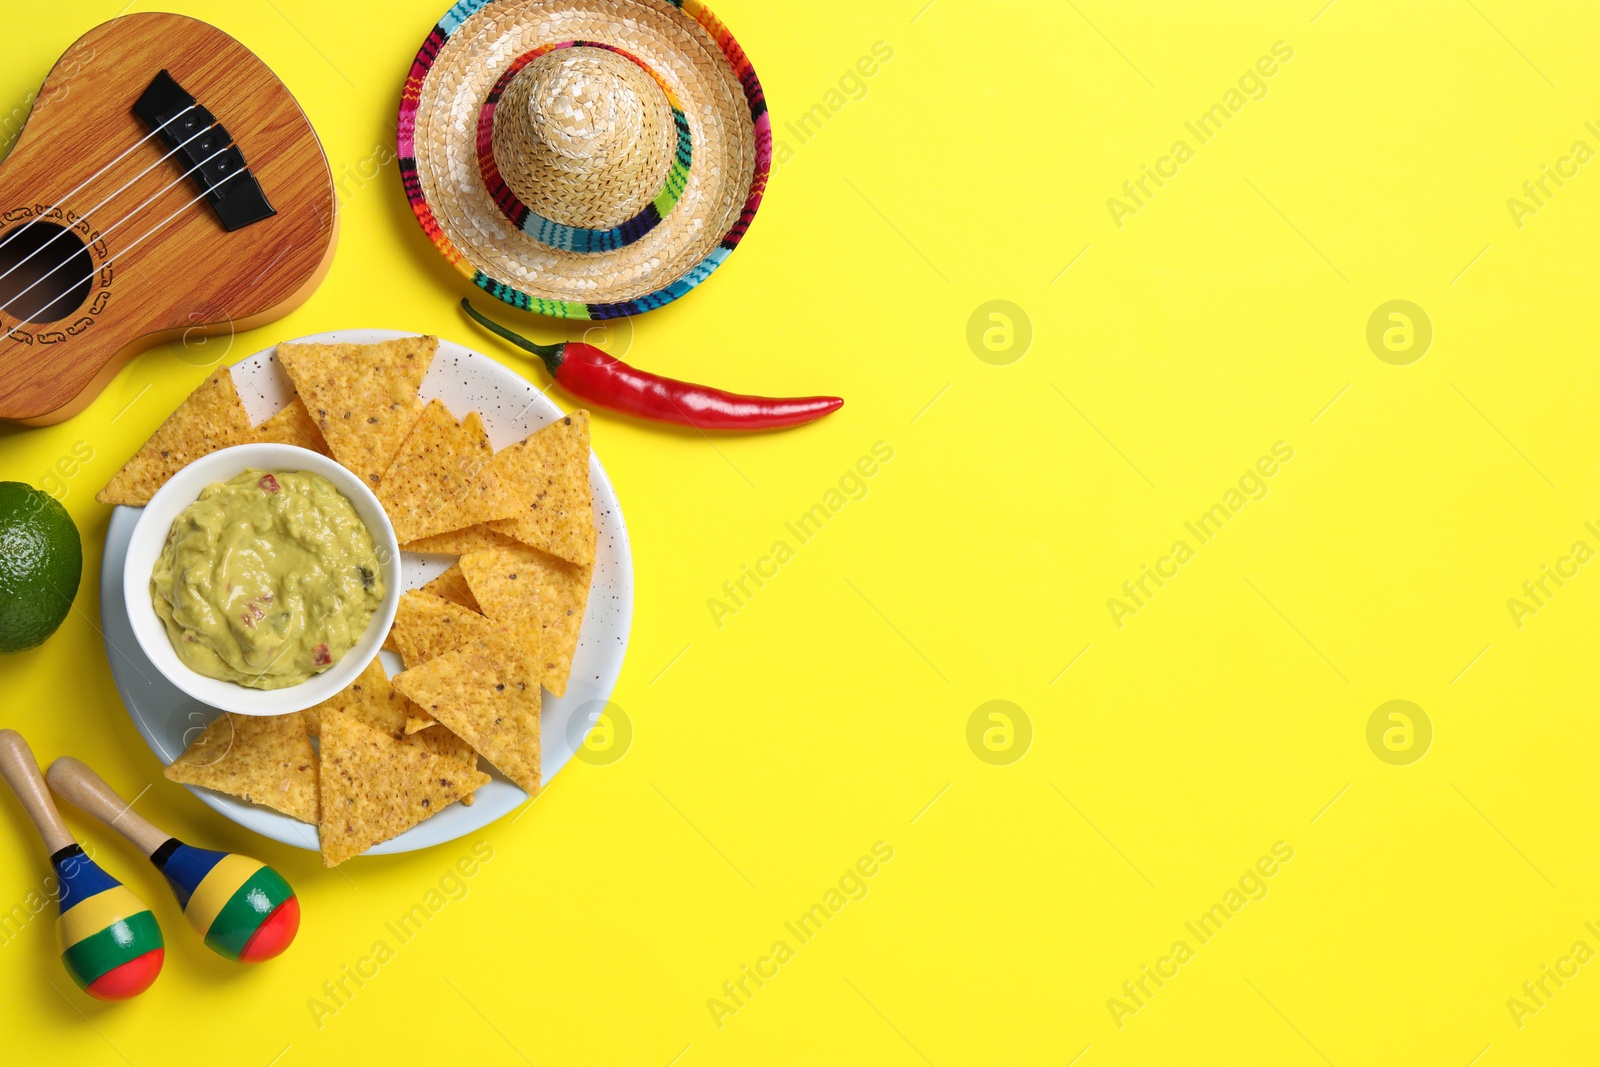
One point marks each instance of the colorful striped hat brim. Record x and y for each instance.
(584, 159)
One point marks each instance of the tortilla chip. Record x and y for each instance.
(265, 759)
(293, 425)
(452, 586)
(374, 787)
(443, 477)
(442, 742)
(211, 418)
(551, 468)
(426, 626)
(363, 397)
(373, 701)
(419, 721)
(459, 542)
(487, 694)
(370, 700)
(536, 594)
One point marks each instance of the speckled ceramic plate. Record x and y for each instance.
(511, 408)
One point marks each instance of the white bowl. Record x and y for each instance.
(150, 535)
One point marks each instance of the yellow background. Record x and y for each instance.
(831, 712)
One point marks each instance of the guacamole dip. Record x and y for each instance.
(267, 579)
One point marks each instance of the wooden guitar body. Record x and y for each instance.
(102, 257)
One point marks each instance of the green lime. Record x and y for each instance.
(41, 560)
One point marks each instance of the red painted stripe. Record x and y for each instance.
(274, 933)
(129, 979)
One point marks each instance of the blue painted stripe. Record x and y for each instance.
(460, 13)
(187, 867)
(78, 878)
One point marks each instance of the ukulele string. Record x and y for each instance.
(114, 226)
(96, 174)
(86, 215)
(6, 309)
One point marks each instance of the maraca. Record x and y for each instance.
(243, 908)
(110, 942)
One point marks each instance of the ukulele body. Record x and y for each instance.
(155, 262)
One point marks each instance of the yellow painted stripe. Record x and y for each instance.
(218, 887)
(93, 914)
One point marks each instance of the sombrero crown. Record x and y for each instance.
(584, 158)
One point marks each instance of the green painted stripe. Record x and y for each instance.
(677, 179)
(246, 910)
(118, 943)
(560, 309)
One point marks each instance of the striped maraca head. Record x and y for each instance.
(243, 908)
(110, 942)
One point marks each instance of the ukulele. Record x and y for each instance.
(165, 184)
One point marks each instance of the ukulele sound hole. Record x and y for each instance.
(46, 272)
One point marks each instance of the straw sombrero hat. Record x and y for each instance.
(586, 159)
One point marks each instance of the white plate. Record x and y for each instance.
(511, 408)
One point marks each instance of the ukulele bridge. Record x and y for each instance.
(206, 151)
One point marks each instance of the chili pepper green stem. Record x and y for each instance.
(551, 354)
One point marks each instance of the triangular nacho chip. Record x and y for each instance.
(443, 478)
(213, 417)
(536, 594)
(363, 397)
(293, 425)
(374, 787)
(426, 626)
(265, 759)
(452, 586)
(373, 701)
(369, 699)
(487, 694)
(551, 468)
(441, 742)
(460, 542)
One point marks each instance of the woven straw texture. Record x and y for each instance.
(585, 159)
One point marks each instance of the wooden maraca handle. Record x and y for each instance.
(76, 781)
(21, 772)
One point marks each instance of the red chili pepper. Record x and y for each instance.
(589, 374)
(268, 484)
(320, 656)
